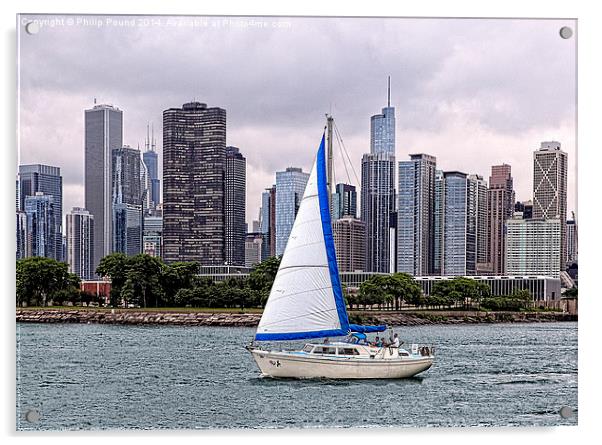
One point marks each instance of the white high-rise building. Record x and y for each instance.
(80, 243)
(533, 247)
(103, 133)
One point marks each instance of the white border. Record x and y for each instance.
(589, 156)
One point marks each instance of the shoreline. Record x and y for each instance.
(250, 319)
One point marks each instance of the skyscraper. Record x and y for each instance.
(459, 225)
(48, 180)
(41, 232)
(378, 202)
(550, 188)
(267, 222)
(80, 242)
(500, 204)
(438, 223)
(194, 158)
(571, 241)
(525, 208)
(151, 158)
(344, 201)
(416, 215)
(235, 205)
(350, 243)
(290, 185)
(533, 247)
(152, 236)
(479, 211)
(382, 128)
(253, 249)
(103, 133)
(127, 201)
(378, 189)
(21, 225)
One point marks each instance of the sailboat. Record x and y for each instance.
(306, 302)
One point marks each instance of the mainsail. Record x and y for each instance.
(306, 300)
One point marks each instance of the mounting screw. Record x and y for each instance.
(32, 28)
(566, 32)
(566, 412)
(32, 416)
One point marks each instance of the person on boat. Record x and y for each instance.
(378, 343)
(395, 343)
(326, 341)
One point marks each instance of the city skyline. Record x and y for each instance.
(457, 97)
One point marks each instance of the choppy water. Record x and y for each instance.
(113, 377)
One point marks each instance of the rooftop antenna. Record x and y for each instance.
(94, 101)
(147, 141)
(153, 142)
(389, 92)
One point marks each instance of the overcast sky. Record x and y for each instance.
(473, 93)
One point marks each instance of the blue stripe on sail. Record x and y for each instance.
(328, 239)
(300, 335)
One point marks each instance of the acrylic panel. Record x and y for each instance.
(430, 279)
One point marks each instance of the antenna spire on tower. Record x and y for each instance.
(153, 142)
(389, 92)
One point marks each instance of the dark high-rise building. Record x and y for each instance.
(267, 223)
(127, 202)
(344, 201)
(377, 204)
(103, 133)
(151, 161)
(480, 219)
(21, 234)
(500, 205)
(378, 189)
(525, 208)
(194, 158)
(47, 179)
(416, 215)
(235, 205)
(460, 211)
(438, 223)
(571, 241)
(41, 233)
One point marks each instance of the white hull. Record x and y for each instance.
(294, 365)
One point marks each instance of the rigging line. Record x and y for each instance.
(346, 153)
(343, 157)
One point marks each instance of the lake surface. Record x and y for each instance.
(146, 377)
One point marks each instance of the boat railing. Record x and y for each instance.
(423, 349)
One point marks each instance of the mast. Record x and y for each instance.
(329, 120)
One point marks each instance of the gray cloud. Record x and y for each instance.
(472, 92)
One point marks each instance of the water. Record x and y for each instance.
(114, 377)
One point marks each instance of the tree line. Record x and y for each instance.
(146, 281)
(390, 291)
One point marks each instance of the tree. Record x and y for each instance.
(142, 286)
(176, 276)
(460, 290)
(262, 277)
(404, 288)
(40, 280)
(114, 266)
